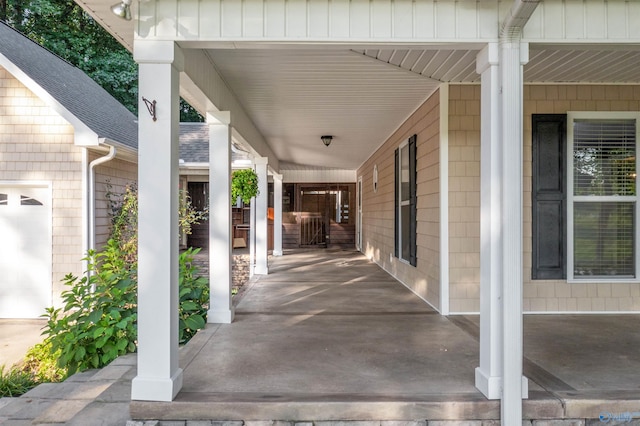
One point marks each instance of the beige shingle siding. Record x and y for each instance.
(378, 220)
(464, 216)
(36, 144)
(552, 295)
(464, 198)
(118, 173)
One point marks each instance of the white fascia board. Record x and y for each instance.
(124, 152)
(194, 168)
(84, 136)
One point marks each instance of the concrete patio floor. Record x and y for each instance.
(328, 335)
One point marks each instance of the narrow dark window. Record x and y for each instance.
(406, 201)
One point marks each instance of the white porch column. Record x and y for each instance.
(159, 377)
(513, 55)
(260, 202)
(220, 234)
(489, 374)
(277, 215)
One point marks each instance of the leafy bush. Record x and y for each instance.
(42, 363)
(123, 211)
(194, 297)
(98, 320)
(15, 382)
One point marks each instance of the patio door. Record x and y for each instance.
(313, 217)
(325, 215)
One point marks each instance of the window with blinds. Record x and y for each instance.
(603, 199)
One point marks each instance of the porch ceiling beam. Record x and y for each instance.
(366, 21)
(208, 91)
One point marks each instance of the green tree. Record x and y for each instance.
(67, 30)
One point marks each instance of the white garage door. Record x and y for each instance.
(25, 251)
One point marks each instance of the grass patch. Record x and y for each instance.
(15, 381)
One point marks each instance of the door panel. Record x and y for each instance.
(25, 252)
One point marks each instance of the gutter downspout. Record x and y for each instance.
(517, 18)
(511, 62)
(92, 194)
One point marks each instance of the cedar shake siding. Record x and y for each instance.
(378, 207)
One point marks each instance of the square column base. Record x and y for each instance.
(156, 389)
(491, 386)
(220, 317)
(261, 270)
(277, 252)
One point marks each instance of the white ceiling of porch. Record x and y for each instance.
(359, 94)
(296, 96)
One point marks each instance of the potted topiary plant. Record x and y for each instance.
(244, 184)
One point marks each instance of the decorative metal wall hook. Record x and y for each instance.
(151, 107)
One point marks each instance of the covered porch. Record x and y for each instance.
(328, 335)
(274, 76)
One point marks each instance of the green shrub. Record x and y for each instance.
(42, 363)
(98, 320)
(194, 297)
(15, 382)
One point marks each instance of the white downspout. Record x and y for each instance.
(511, 62)
(91, 231)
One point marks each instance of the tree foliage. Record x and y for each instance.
(67, 30)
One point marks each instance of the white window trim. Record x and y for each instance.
(404, 144)
(571, 199)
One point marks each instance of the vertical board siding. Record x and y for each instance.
(584, 21)
(252, 18)
(274, 20)
(320, 19)
(188, 17)
(403, 20)
(381, 18)
(406, 20)
(208, 16)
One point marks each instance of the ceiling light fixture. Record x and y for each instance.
(326, 140)
(122, 9)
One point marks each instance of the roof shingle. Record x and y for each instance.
(71, 88)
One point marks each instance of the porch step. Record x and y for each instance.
(370, 410)
(563, 422)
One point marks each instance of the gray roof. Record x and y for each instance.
(194, 142)
(71, 88)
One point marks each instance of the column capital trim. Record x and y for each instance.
(158, 52)
(487, 57)
(218, 117)
(260, 161)
(523, 47)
